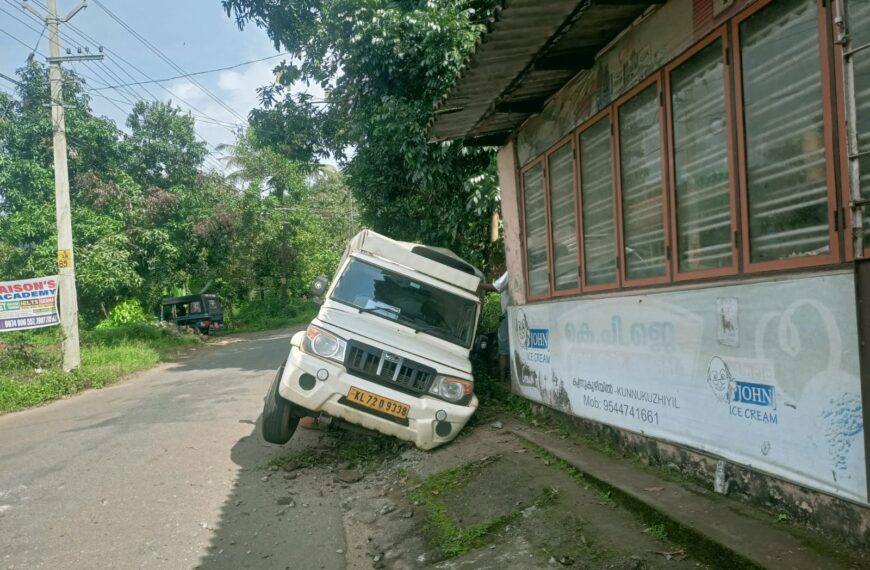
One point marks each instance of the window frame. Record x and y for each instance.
(844, 209)
(607, 112)
(568, 139)
(719, 34)
(525, 230)
(833, 255)
(657, 80)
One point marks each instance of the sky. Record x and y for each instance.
(196, 35)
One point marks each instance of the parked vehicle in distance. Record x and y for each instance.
(202, 312)
(389, 349)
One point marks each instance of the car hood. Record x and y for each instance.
(379, 331)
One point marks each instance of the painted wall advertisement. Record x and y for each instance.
(763, 374)
(28, 304)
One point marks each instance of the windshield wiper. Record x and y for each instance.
(377, 310)
(424, 327)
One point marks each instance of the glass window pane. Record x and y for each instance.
(563, 212)
(536, 230)
(641, 178)
(701, 161)
(596, 189)
(859, 35)
(785, 138)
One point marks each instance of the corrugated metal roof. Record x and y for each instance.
(531, 49)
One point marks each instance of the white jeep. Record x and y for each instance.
(389, 348)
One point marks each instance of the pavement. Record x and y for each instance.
(167, 470)
(151, 472)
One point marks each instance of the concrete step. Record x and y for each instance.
(723, 532)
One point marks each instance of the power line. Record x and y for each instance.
(123, 93)
(197, 72)
(86, 37)
(169, 61)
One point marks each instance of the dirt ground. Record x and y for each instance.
(487, 500)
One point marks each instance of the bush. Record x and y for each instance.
(260, 315)
(490, 314)
(125, 313)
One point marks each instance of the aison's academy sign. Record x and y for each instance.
(28, 304)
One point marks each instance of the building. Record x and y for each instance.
(682, 189)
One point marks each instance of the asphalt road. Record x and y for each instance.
(165, 470)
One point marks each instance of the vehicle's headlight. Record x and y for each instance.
(324, 344)
(451, 389)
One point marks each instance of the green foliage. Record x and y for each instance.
(269, 313)
(490, 314)
(383, 65)
(126, 313)
(147, 221)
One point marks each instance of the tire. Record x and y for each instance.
(278, 424)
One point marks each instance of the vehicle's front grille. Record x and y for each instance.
(387, 368)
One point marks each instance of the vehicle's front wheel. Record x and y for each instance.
(278, 424)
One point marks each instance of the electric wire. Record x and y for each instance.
(233, 129)
(108, 73)
(169, 61)
(203, 72)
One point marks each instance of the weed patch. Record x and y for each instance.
(30, 362)
(269, 314)
(451, 538)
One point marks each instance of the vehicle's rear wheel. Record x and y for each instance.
(278, 424)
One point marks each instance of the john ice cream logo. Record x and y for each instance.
(763, 395)
(539, 339)
(741, 394)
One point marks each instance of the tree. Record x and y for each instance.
(383, 65)
(164, 150)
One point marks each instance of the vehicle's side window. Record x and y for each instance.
(597, 196)
(537, 260)
(643, 235)
(563, 213)
(783, 119)
(702, 185)
(195, 307)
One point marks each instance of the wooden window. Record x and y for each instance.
(563, 213)
(598, 205)
(859, 35)
(701, 182)
(641, 190)
(787, 186)
(535, 212)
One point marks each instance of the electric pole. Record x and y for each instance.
(69, 312)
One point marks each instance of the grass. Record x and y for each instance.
(268, 314)
(452, 539)
(30, 361)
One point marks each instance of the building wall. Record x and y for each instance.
(641, 50)
(764, 374)
(757, 366)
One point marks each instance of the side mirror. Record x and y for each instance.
(318, 288)
(481, 344)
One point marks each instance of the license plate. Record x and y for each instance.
(378, 403)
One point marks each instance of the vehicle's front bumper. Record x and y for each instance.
(325, 396)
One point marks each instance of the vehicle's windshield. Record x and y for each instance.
(393, 296)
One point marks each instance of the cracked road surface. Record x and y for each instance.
(161, 471)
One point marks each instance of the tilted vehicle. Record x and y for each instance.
(389, 348)
(202, 312)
